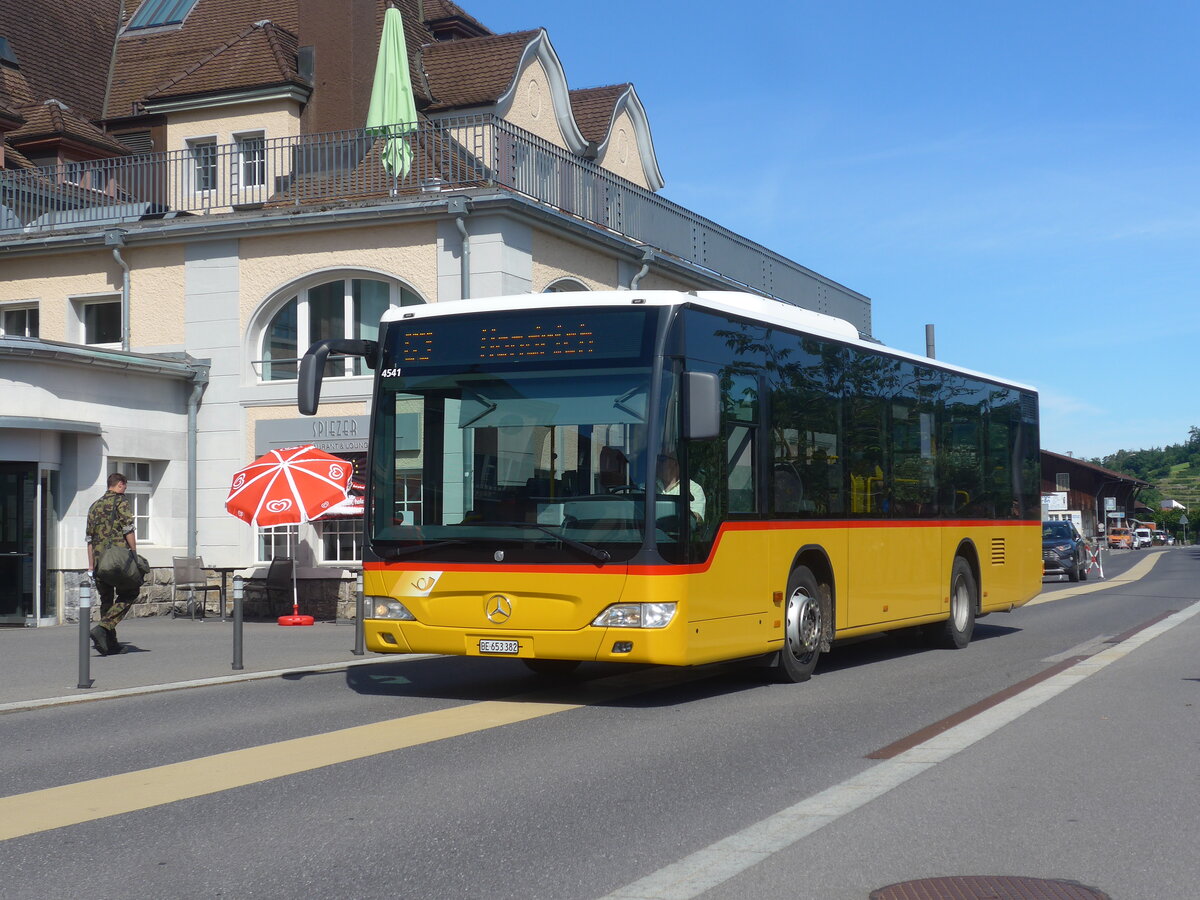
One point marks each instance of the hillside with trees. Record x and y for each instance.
(1173, 472)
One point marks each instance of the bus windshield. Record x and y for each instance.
(487, 461)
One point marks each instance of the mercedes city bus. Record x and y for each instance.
(680, 478)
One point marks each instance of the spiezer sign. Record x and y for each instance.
(333, 434)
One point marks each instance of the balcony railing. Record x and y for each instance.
(348, 167)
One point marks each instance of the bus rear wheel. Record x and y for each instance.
(804, 619)
(955, 632)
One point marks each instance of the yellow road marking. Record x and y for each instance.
(86, 801)
(1138, 570)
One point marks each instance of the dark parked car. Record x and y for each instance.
(1064, 551)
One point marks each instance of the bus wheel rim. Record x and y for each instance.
(803, 623)
(961, 605)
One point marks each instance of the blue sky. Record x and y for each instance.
(1025, 176)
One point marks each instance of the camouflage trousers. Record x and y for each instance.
(114, 604)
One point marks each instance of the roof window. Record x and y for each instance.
(153, 13)
(7, 53)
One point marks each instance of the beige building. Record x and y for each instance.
(189, 198)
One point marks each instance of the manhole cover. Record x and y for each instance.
(988, 887)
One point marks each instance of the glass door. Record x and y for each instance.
(46, 570)
(18, 543)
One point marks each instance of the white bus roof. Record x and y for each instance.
(739, 303)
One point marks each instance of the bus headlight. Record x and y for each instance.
(387, 608)
(636, 615)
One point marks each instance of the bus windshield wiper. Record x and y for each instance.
(409, 551)
(594, 552)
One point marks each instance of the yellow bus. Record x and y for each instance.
(680, 478)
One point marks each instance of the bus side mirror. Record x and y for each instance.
(703, 393)
(312, 368)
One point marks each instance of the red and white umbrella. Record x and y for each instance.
(286, 487)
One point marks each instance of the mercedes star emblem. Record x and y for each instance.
(498, 609)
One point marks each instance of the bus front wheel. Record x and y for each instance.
(804, 627)
(955, 632)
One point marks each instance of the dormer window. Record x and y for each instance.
(155, 13)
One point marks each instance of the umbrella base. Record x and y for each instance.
(295, 620)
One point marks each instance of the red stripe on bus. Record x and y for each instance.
(696, 568)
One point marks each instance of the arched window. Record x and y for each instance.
(340, 308)
(564, 285)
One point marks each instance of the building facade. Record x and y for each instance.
(189, 197)
(1088, 494)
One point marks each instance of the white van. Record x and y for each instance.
(1142, 538)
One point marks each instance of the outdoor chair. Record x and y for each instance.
(280, 582)
(189, 575)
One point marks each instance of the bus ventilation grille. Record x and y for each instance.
(999, 549)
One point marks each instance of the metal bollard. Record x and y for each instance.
(359, 640)
(85, 637)
(237, 623)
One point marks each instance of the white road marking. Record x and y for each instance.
(723, 860)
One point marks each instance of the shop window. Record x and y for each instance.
(19, 321)
(277, 541)
(342, 308)
(341, 540)
(139, 489)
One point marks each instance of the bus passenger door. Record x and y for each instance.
(729, 595)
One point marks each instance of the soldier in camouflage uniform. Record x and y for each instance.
(110, 524)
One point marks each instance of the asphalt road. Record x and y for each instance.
(469, 778)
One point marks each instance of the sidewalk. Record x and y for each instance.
(42, 664)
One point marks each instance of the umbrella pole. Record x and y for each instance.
(295, 618)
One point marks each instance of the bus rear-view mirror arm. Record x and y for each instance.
(703, 393)
(312, 368)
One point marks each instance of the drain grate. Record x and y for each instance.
(988, 887)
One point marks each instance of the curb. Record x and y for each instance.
(69, 699)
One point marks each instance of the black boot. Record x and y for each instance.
(100, 639)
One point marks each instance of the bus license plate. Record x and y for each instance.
(499, 646)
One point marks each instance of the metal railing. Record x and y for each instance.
(348, 167)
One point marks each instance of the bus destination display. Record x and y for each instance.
(523, 338)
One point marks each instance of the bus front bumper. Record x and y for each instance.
(660, 646)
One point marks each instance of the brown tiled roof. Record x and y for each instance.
(64, 48)
(264, 54)
(54, 119)
(145, 62)
(443, 11)
(593, 109)
(473, 72)
(1094, 467)
(14, 89)
(15, 159)
(10, 118)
